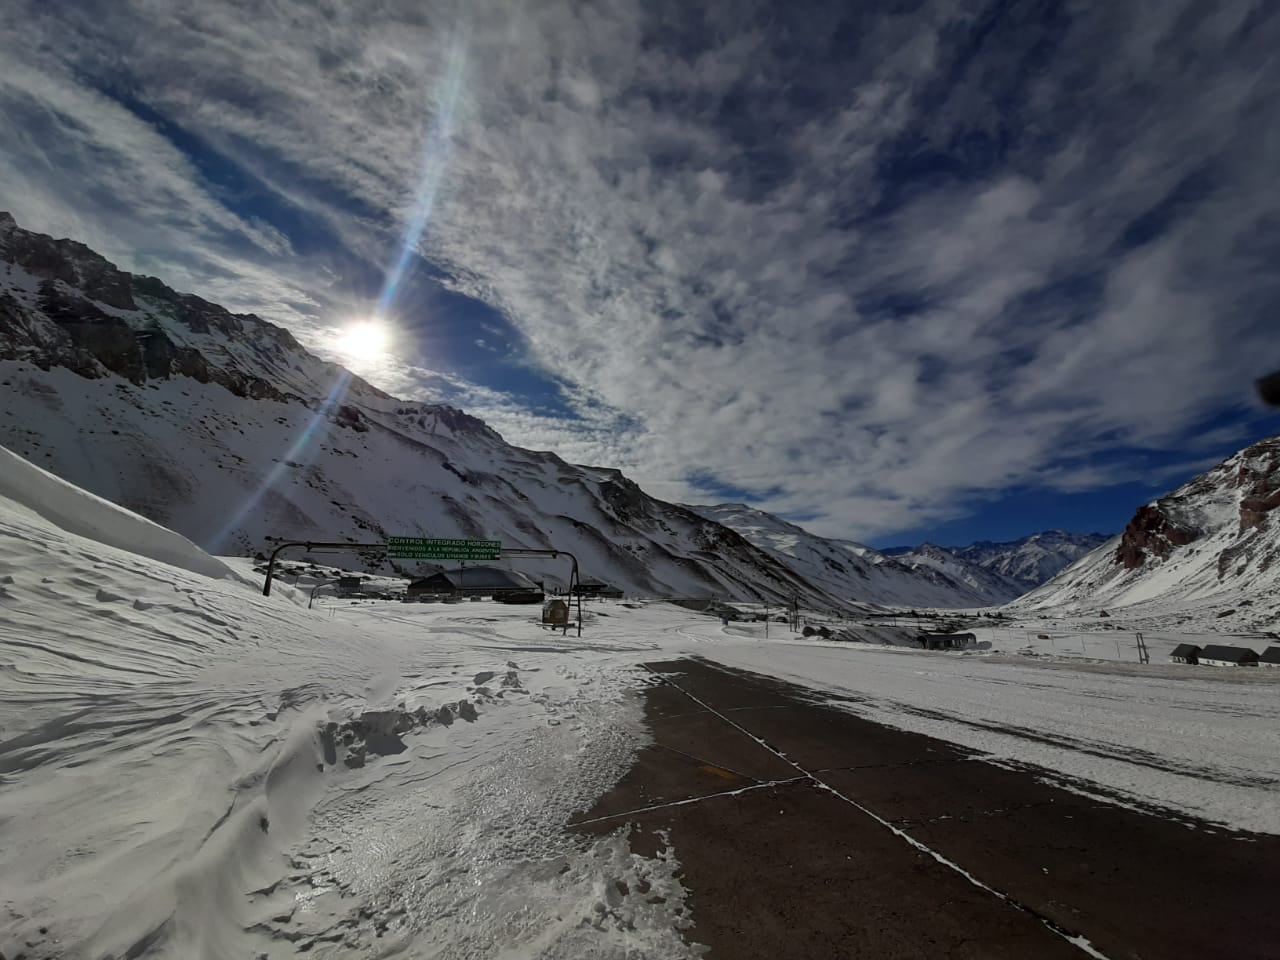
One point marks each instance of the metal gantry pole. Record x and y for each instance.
(322, 583)
(311, 546)
(574, 579)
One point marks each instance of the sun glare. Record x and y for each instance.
(364, 340)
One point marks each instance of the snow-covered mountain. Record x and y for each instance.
(1032, 560)
(989, 586)
(224, 428)
(1211, 545)
(926, 576)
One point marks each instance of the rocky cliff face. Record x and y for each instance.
(1151, 532)
(1258, 480)
(1157, 529)
(222, 427)
(88, 316)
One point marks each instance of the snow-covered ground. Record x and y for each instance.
(189, 769)
(377, 773)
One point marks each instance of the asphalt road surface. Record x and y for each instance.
(804, 831)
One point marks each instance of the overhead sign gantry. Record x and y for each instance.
(425, 548)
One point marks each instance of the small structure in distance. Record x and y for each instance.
(1185, 653)
(594, 587)
(946, 641)
(555, 613)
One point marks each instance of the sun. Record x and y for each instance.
(364, 340)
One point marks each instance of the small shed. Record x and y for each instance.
(1222, 656)
(946, 641)
(349, 586)
(1185, 653)
(1270, 657)
(555, 613)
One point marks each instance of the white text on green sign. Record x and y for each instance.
(422, 548)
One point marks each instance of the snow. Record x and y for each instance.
(171, 742)
(194, 770)
(80, 513)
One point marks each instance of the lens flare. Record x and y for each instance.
(365, 340)
(368, 339)
(435, 156)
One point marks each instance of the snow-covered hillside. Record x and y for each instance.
(1031, 560)
(225, 429)
(1210, 549)
(988, 586)
(927, 576)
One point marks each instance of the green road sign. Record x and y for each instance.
(418, 548)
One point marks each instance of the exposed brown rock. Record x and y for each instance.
(1151, 532)
(1259, 481)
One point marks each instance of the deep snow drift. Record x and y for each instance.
(191, 770)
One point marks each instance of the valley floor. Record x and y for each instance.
(189, 769)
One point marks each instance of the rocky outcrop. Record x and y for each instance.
(1155, 530)
(96, 319)
(625, 498)
(1151, 532)
(1258, 480)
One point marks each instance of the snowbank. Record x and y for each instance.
(81, 513)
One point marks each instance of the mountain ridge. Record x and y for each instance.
(224, 428)
(924, 578)
(1210, 547)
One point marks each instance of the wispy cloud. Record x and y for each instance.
(865, 265)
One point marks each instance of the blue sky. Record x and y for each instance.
(898, 270)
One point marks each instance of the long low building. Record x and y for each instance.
(1223, 656)
(477, 581)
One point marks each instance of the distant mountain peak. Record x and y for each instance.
(928, 576)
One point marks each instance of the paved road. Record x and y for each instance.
(807, 832)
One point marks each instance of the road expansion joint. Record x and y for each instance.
(793, 781)
(901, 763)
